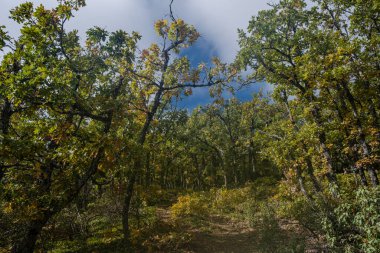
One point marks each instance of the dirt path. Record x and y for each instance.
(227, 239)
(222, 236)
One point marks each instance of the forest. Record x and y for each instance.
(96, 157)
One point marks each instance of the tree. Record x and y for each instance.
(318, 58)
(61, 109)
(161, 77)
(314, 54)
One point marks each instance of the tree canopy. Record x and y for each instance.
(89, 129)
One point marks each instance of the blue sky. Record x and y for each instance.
(201, 51)
(204, 51)
(216, 20)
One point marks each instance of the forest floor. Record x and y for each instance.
(198, 232)
(223, 235)
(220, 236)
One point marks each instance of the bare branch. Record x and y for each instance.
(274, 136)
(150, 80)
(171, 11)
(208, 84)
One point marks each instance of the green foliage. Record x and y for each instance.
(59, 102)
(83, 123)
(194, 206)
(301, 210)
(253, 204)
(154, 195)
(273, 238)
(230, 203)
(3, 37)
(356, 228)
(314, 53)
(225, 201)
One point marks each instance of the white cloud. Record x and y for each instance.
(216, 20)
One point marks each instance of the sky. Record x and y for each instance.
(216, 20)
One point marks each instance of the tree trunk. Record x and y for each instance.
(309, 164)
(27, 242)
(301, 183)
(126, 207)
(147, 170)
(137, 164)
(310, 172)
(6, 113)
(365, 148)
(354, 153)
(331, 177)
(251, 161)
(363, 178)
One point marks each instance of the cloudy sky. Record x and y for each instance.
(216, 20)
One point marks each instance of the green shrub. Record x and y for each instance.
(230, 201)
(307, 214)
(272, 238)
(195, 205)
(356, 227)
(154, 195)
